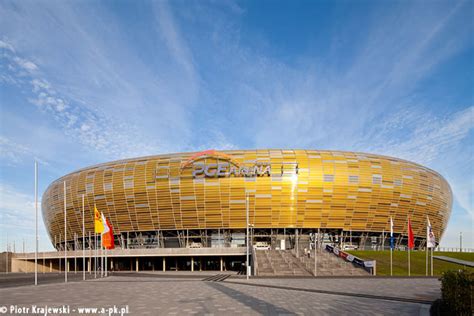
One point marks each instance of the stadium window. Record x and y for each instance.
(353, 179)
(328, 178)
(376, 179)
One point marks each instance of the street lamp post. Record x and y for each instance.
(36, 224)
(247, 236)
(83, 242)
(65, 236)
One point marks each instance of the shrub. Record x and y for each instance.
(457, 292)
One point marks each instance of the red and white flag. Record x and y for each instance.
(430, 237)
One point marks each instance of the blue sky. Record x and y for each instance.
(84, 82)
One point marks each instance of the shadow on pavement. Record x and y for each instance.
(257, 305)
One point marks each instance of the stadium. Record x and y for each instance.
(192, 210)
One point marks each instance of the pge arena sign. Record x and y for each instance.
(227, 168)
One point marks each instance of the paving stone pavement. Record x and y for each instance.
(410, 288)
(186, 296)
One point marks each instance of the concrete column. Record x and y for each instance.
(153, 265)
(192, 263)
(67, 265)
(136, 267)
(222, 265)
(50, 265)
(164, 264)
(200, 264)
(111, 264)
(89, 264)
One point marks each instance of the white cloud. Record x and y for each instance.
(14, 202)
(40, 84)
(461, 223)
(12, 153)
(6, 45)
(426, 136)
(91, 128)
(17, 218)
(25, 64)
(131, 106)
(170, 32)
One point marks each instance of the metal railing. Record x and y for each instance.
(453, 249)
(118, 252)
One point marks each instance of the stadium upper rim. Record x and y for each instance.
(227, 151)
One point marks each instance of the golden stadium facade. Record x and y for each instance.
(198, 196)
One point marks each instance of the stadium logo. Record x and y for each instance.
(227, 168)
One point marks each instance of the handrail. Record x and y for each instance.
(254, 262)
(368, 265)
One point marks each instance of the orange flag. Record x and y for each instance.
(107, 235)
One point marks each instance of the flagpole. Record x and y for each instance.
(391, 265)
(427, 236)
(432, 251)
(36, 223)
(95, 257)
(6, 258)
(409, 245)
(106, 262)
(101, 257)
(391, 246)
(408, 261)
(75, 253)
(83, 242)
(90, 254)
(426, 258)
(65, 236)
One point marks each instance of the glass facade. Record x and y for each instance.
(287, 189)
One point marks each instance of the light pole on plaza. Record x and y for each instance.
(83, 242)
(36, 224)
(65, 237)
(247, 235)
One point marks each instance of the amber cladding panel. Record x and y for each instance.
(306, 189)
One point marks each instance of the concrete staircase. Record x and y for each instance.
(285, 263)
(278, 263)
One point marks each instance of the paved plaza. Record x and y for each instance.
(184, 294)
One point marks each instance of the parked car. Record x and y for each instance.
(195, 245)
(261, 245)
(349, 247)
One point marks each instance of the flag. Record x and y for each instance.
(411, 238)
(98, 224)
(430, 237)
(107, 234)
(392, 239)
